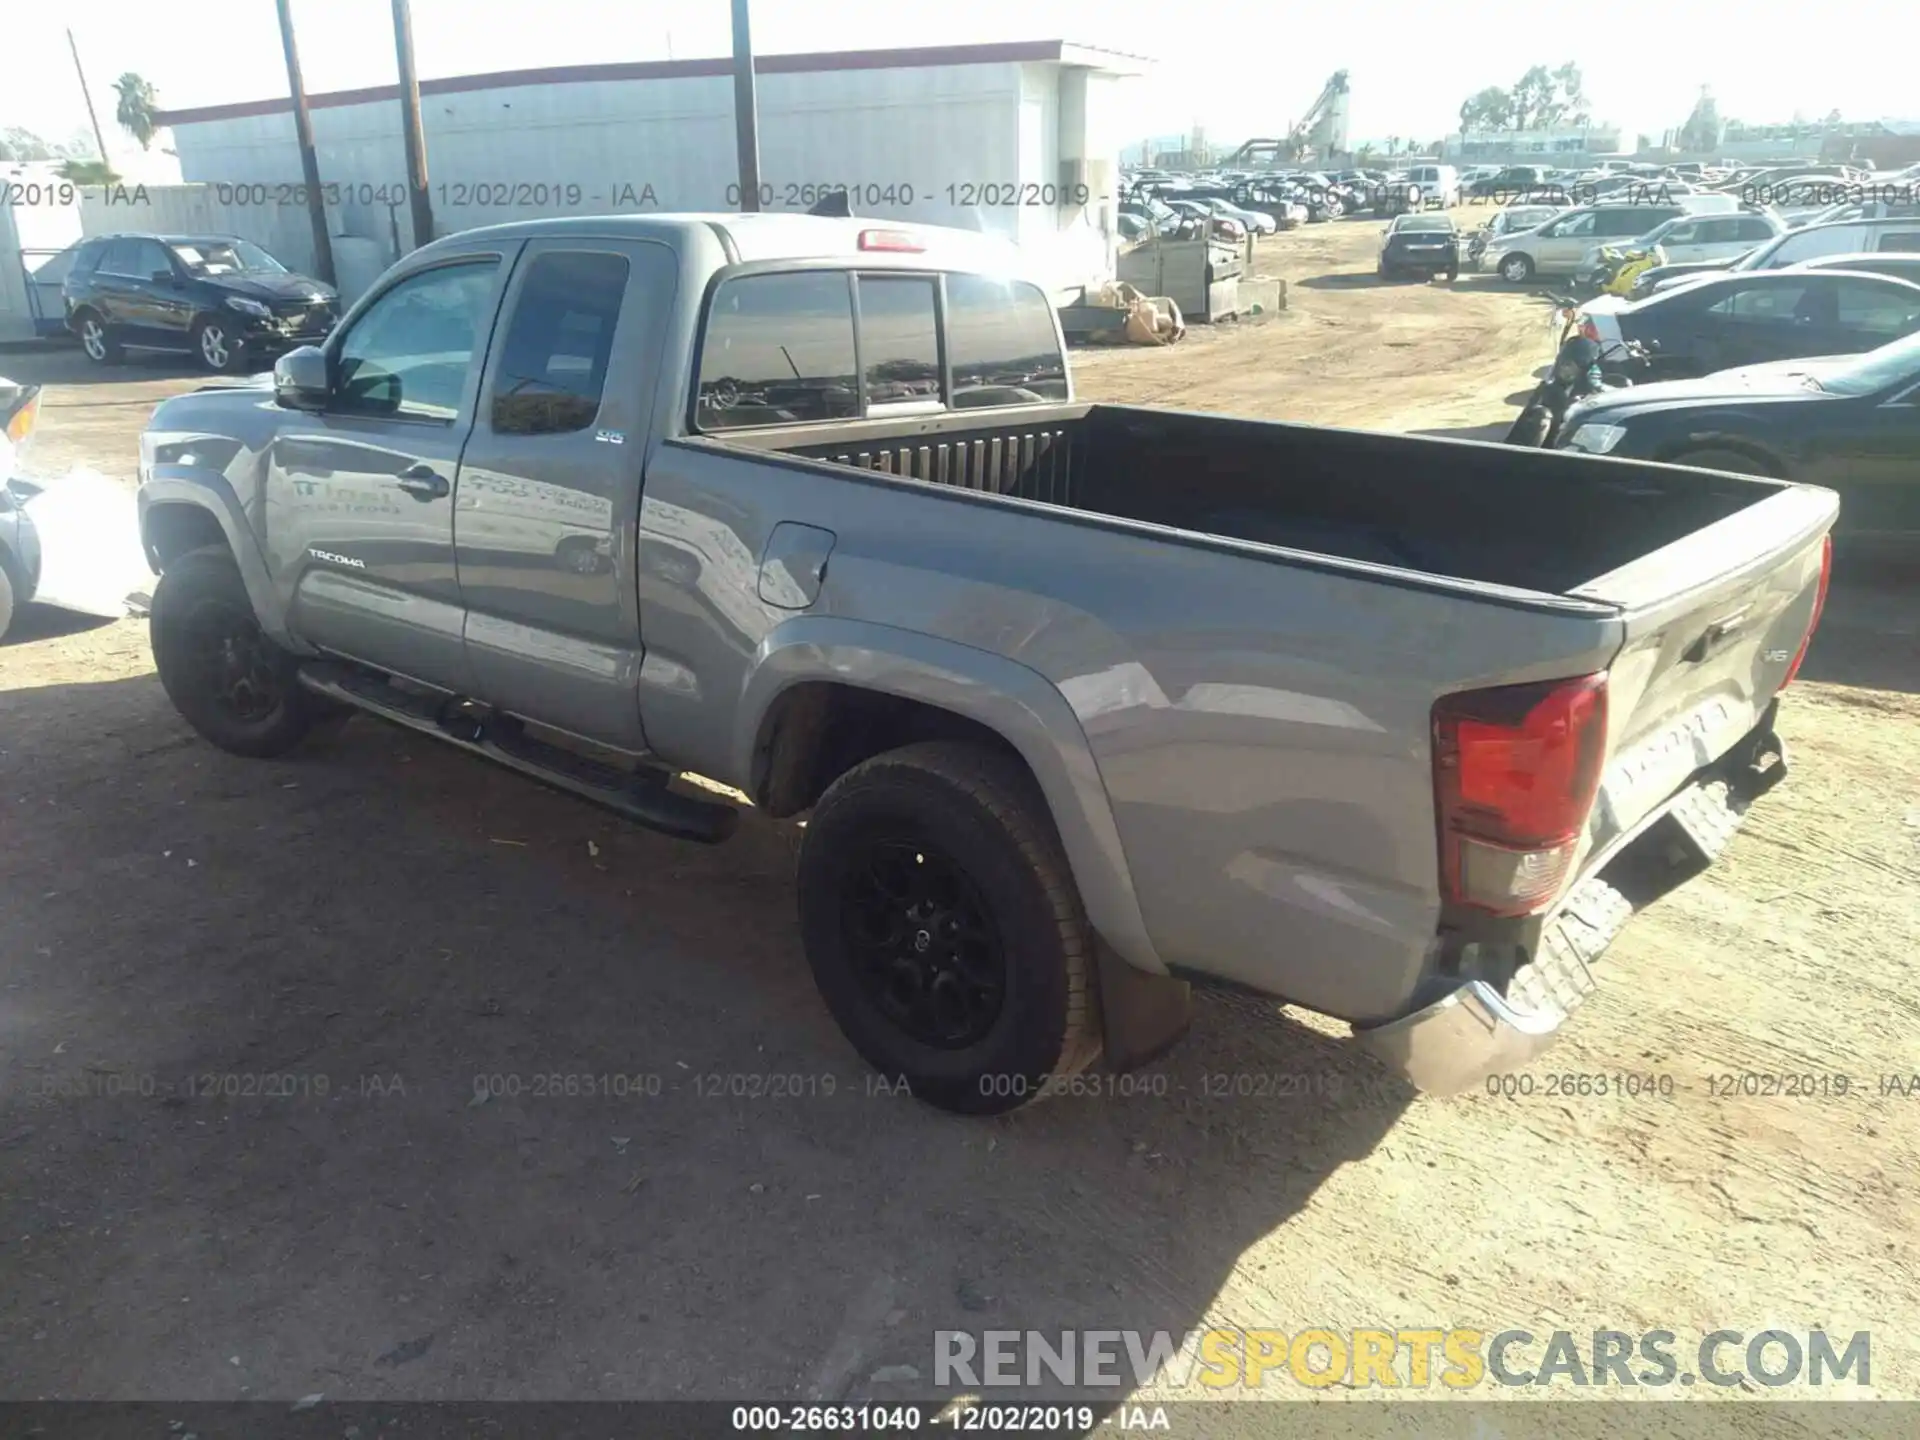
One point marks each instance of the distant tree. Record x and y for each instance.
(138, 101)
(1702, 130)
(1393, 146)
(1570, 104)
(1488, 109)
(1538, 100)
(1363, 155)
(88, 172)
(19, 143)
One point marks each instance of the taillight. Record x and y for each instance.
(1515, 770)
(1819, 604)
(901, 240)
(1588, 328)
(21, 424)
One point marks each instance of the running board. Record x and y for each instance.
(641, 797)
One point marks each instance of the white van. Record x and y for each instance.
(1850, 237)
(1439, 184)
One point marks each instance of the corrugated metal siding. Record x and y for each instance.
(668, 144)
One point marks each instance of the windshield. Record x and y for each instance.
(1757, 257)
(1424, 224)
(225, 257)
(1874, 371)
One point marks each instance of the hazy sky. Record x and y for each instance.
(1239, 67)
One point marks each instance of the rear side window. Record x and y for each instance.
(1877, 309)
(899, 339)
(553, 363)
(778, 351)
(1753, 228)
(1002, 343)
(1903, 240)
(1767, 302)
(87, 258)
(121, 258)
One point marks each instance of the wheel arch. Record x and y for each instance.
(825, 693)
(180, 514)
(1675, 451)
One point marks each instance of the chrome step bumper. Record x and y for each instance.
(1474, 1031)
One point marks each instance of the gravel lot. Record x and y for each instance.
(381, 922)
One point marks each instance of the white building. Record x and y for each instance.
(1017, 139)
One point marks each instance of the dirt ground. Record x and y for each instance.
(382, 922)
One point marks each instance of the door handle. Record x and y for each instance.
(422, 482)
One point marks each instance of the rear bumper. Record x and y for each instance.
(1477, 1029)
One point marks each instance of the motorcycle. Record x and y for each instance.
(1615, 269)
(1578, 370)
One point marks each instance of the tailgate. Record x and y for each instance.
(1713, 625)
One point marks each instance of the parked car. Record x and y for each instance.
(1515, 182)
(1513, 220)
(1848, 238)
(1070, 694)
(1901, 265)
(1563, 244)
(1692, 239)
(1220, 227)
(1754, 318)
(1254, 221)
(1423, 245)
(1439, 185)
(221, 299)
(71, 542)
(1851, 423)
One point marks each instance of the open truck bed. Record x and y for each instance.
(1290, 774)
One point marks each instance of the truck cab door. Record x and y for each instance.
(549, 496)
(359, 497)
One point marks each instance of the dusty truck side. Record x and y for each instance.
(1077, 700)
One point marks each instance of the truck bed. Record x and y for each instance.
(1525, 519)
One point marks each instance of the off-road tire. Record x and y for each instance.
(981, 811)
(203, 588)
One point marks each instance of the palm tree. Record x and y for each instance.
(138, 101)
(1393, 144)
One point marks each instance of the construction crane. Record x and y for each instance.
(1320, 134)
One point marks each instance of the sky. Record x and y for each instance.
(1237, 67)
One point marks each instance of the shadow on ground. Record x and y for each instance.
(56, 362)
(1869, 633)
(43, 622)
(389, 1075)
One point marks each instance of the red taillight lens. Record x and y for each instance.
(1515, 772)
(1588, 328)
(890, 240)
(1819, 604)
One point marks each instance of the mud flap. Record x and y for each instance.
(1142, 1015)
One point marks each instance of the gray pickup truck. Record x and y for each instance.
(1078, 701)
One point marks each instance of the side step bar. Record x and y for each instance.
(641, 797)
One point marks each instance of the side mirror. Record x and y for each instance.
(300, 379)
(163, 277)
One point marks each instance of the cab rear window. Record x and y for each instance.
(786, 349)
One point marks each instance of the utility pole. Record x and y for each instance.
(87, 95)
(746, 110)
(416, 142)
(309, 162)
